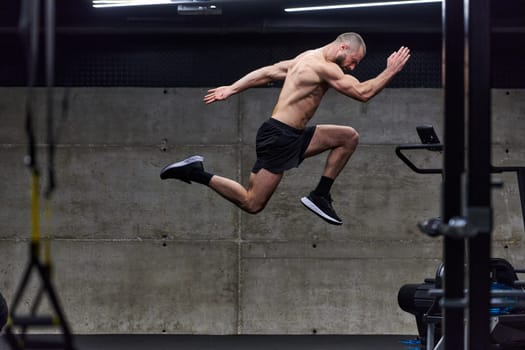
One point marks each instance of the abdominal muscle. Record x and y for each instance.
(297, 115)
(300, 96)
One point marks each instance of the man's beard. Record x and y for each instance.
(339, 61)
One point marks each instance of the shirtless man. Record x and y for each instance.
(285, 140)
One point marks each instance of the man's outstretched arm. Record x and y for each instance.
(258, 77)
(363, 91)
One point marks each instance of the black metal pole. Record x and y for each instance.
(479, 169)
(50, 74)
(454, 164)
(28, 27)
(521, 187)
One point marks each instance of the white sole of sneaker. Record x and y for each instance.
(183, 163)
(310, 205)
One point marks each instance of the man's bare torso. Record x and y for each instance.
(302, 91)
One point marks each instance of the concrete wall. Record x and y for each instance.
(134, 254)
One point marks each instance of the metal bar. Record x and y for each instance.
(24, 321)
(506, 169)
(28, 27)
(521, 186)
(410, 164)
(431, 330)
(479, 170)
(50, 74)
(453, 167)
(43, 343)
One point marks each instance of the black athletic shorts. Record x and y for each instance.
(280, 147)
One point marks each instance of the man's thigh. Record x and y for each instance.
(328, 137)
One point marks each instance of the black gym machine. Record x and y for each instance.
(507, 311)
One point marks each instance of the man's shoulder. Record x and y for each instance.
(315, 61)
(323, 67)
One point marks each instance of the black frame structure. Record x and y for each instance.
(467, 29)
(479, 210)
(453, 165)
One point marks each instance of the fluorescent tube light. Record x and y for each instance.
(198, 10)
(349, 6)
(116, 3)
(124, 3)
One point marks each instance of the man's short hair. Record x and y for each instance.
(353, 40)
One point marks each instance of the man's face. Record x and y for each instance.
(349, 58)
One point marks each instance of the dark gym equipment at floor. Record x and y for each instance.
(423, 300)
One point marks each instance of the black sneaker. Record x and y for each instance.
(322, 206)
(182, 170)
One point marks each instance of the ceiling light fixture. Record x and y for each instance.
(125, 3)
(349, 6)
(116, 3)
(198, 10)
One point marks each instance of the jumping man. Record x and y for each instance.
(284, 140)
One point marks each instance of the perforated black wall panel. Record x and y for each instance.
(203, 60)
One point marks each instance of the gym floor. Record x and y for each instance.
(241, 342)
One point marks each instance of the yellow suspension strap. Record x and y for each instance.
(19, 332)
(47, 235)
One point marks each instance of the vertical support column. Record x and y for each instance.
(454, 164)
(50, 82)
(521, 186)
(479, 210)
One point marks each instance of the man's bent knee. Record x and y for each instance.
(352, 137)
(354, 134)
(253, 208)
(253, 205)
